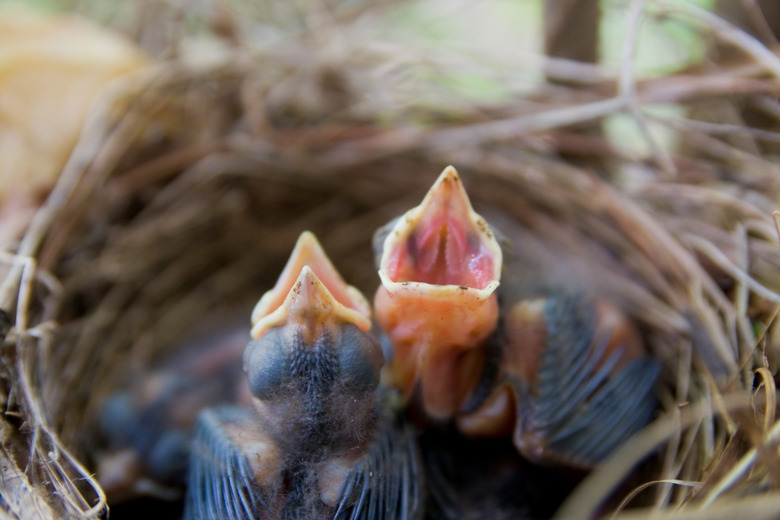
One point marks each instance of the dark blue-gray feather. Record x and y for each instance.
(385, 484)
(584, 406)
(220, 482)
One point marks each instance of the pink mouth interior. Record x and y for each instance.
(441, 252)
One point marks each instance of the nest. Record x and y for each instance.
(193, 178)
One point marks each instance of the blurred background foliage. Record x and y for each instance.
(505, 37)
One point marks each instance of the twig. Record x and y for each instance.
(91, 139)
(776, 217)
(742, 295)
(770, 392)
(506, 128)
(670, 481)
(759, 21)
(718, 128)
(759, 507)
(739, 469)
(717, 256)
(727, 32)
(627, 86)
(586, 498)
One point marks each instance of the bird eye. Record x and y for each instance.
(360, 358)
(266, 366)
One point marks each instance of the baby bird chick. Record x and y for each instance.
(566, 376)
(573, 380)
(439, 264)
(146, 428)
(320, 441)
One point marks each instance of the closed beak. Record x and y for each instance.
(277, 304)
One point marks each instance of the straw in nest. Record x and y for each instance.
(192, 178)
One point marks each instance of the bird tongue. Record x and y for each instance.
(310, 291)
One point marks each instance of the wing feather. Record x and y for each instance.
(387, 483)
(221, 483)
(585, 406)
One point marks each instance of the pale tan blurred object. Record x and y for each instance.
(51, 69)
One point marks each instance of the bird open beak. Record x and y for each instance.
(310, 291)
(440, 265)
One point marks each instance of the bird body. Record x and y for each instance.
(146, 428)
(573, 380)
(563, 374)
(321, 440)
